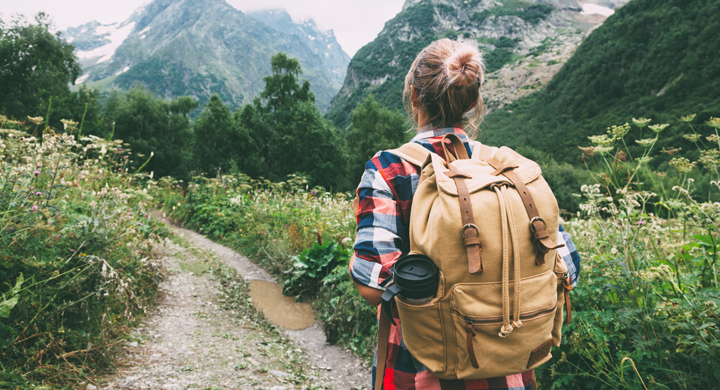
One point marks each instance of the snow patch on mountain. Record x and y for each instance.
(116, 34)
(589, 8)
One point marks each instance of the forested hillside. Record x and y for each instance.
(653, 58)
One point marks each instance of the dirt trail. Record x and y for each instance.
(190, 341)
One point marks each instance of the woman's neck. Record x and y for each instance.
(423, 120)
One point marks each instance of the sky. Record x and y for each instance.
(355, 22)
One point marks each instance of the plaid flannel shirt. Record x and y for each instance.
(385, 196)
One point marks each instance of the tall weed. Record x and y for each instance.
(75, 253)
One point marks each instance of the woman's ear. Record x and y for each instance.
(413, 96)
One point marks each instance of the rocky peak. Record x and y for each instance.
(200, 47)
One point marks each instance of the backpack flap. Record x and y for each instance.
(482, 173)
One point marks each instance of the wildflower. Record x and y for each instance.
(36, 120)
(139, 223)
(713, 138)
(67, 123)
(83, 255)
(658, 128)
(710, 158)
(72, 250)
(601, 140)
(644, 160)
(661, 273)
(687, 118)
(671, 151)
(646, 143)
(36, 173)
(59, 235)
(603, 150)
(713, 122)
(692, 137)
(619, 131)
(641, 122)
(34, 207)
(38, 193)
(640, 223)
(682, 164)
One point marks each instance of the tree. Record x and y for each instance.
(152, 125)
(286, 132)
(35, 65)
(373, 128)
(216, 137)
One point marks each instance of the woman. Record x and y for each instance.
(442, 95)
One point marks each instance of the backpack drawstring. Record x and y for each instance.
(509, 229)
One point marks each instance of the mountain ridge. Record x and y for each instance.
(196, 48)
(505, 31)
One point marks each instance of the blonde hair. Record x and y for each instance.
(447, 76)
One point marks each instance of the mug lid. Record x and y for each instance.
(416, 272)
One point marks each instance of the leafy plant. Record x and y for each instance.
(76, 239)
(312, 267)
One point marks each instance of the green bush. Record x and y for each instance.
(312, 267)
(347, 319)
(75, 254)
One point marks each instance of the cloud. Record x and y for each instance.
(354, 22)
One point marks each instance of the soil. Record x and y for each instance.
(195, 339)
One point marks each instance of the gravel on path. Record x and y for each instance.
(195, 339)
(345, 369)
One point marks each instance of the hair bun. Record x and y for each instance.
(464, 67)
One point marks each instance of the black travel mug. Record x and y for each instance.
(415, 281)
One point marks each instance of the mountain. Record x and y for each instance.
(197, 48)
(523, 43)
(322, 43)
(653, 58)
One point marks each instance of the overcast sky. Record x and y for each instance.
(355, 22)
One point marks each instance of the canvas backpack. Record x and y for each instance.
(486, 221)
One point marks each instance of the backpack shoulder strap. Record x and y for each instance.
(382, 351)
(482, 152)
(412, 152)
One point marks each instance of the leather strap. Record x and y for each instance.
(383, 339)
(541, 239)
(534, 381)
(567, 286)
(470, 232)
(471, 350)
(460, 151)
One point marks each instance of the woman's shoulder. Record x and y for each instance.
(390, 165)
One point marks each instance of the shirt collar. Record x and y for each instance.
(429, 132)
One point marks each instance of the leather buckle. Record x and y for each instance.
(532, 224)
(470, 226)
